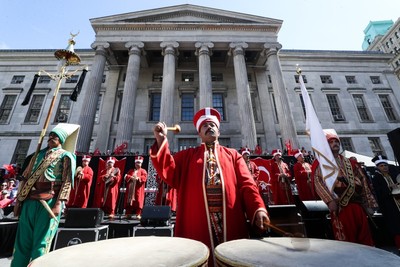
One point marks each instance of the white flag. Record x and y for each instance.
(319, 144)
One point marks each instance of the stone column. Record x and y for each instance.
(87, 116)
(168, 82)
(286, 122)
(125, 123)
(248, 130)
(203, 52)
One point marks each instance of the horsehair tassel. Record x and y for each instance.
(30, 91)
(78, 87)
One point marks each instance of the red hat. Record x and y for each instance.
(206, 114)
(296, 153)
(246, 151)
(331, 134)
(86, 158)
(276, 152)
(139, 159)
(111, 159)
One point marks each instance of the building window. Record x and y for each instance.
(217, 77)
(218, 104)
(274, 105)
(249, 77)
(254, 106)
(347, 144)
(97, 116)
(17, 79)
(303, 106)
(296, 78)
(187, 106)
(335, 108)
(103, 80)
(63, 110)
(21, 151)
(326, 79)
(361, 108)
(120, 96)
(187, 77)
(34, 109)
(375, 79)
(155, 106)
(6, 107)
(376, 145)
(185, 143)
(44, 79)
(157, 77)
(351, 79)
(72, 79)
(388, 107)
(269, 79)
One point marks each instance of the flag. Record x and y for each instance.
(319, 143)
(265, 167)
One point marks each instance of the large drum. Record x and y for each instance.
(129, 251)
(286, 251)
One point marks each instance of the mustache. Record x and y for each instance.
(210, 130)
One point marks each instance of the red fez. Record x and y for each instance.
(139, 159)
(276, 152)
(86, 158)
(111, 159)
(206, 114)
(297, 153)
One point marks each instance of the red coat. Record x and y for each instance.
(112, 195)
(80, 194)
(138, 193)
(303, 181)
(185, 171)
(281, 190)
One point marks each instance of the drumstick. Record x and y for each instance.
(266, 224)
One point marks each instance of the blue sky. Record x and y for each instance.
(307, 24)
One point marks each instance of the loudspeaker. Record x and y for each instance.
(156, 216)
(286, 218)
(316, 219)
(83, 217)
(394, 140)
(153, 231)
(66, 237)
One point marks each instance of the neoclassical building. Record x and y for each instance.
(164, 64)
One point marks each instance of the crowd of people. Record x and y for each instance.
(218, 193)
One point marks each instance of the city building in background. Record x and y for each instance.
(164, 64)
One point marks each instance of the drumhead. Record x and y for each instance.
(129, 251)
(287, 252)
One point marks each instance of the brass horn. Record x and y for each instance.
(176, 128)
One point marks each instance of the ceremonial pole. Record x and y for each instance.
(67, 57)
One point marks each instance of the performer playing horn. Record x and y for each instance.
(135, 180)
(83, 180)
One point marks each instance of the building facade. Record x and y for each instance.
(164, 64)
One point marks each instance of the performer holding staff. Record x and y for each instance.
(110, 177)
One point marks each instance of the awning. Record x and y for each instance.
(361, 158)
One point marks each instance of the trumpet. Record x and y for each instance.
(176, 128)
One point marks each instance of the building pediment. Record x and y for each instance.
(185, 16)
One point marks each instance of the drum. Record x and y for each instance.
(129, 251)
(286, 251)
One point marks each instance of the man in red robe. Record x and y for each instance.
(135, 181)
(79, 195)
(216, 192)
(281, 180)
(302, 176)
(253, 168)
(348, 216)
(108, 190)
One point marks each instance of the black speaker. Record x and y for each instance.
(83, 217)
(66, 237)
(316, 219)
(394, 140)
(286, 218)
(156, 216)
